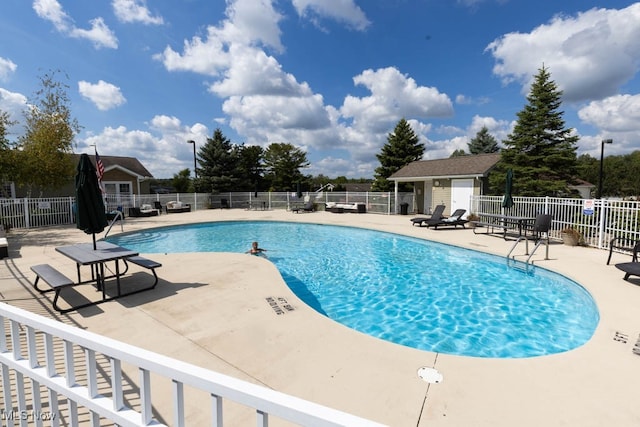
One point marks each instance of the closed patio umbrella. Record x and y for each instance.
(507, 200)
(91, 217)
(298, 191)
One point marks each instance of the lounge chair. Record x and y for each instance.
(148, 210)
(353, 207)
(436, 215)
(307, 207)
(176, 207)
(454, 220)
(631, 268)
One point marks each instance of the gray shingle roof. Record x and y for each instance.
(453, 167)
(129, 163)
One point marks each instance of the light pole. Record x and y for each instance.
(195, 170)
(604, 141)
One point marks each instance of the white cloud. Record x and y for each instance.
(104, 95)
(162, 149)
(7, 67)
(266, 104)
(249, 24)
(393, 96)
(589, 56)
(135, 11)
(265, 114)
(345, 11)
(620, 113)
(252, 72)
(52, 11)
(99, 33)
(14, 104)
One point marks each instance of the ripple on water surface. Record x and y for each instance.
(421, 294)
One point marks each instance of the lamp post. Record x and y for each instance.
(195, 171)
(604, 141)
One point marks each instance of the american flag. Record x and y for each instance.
(100, 173)
(99, 167)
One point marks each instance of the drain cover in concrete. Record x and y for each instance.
(430, 375)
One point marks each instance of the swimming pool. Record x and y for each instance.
(409, 291)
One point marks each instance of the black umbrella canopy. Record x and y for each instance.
(90, 216)
(507, 200)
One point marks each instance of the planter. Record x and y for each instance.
(570, 239)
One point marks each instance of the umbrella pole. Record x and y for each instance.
(94, 241)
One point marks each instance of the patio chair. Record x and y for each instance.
(541, 227)
(157, 205)
(436, 215)
(454, 220)
(623, 244)
(631, 268)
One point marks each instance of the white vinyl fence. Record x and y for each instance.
(606, 220)
(58, 375)
(43, 212)
(598, 223)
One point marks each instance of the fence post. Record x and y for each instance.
(603, 215)
(27, 223)
(546, 205)
(71, 210)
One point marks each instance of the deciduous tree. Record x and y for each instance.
(181, 181)
(7, 160)
(50, 130)
(282, 162)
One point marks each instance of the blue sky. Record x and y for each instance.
(332, 77)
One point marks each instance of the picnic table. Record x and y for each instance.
(504, 223)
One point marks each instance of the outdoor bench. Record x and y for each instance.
(51, 277)
(146, 263)
(491, 227)
(4, 243)
(4, 247)
(56, 281)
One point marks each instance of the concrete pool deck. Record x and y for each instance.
(212, 310)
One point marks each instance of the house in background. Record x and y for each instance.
(450, 182)
(584, 188)
(123, 176)
(358, 187)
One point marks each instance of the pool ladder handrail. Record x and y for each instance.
(540, 241)
(118, 213)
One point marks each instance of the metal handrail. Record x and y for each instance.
(113, 221)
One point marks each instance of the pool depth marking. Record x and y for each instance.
(279, 305)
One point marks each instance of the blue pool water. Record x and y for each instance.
(409, 291)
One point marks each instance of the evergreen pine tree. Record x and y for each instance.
(483, 142)
(458, 153)
(402, 148)
(540, 150)
(219, 164)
